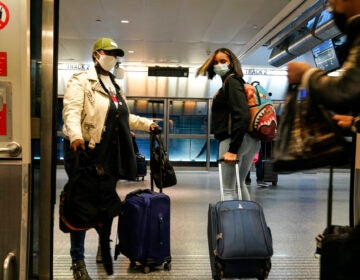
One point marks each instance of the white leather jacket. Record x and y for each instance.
(86, 105)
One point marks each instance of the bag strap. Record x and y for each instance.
(76, 164)
(233, 75)
(155, 138)
(135, 145)
(227, 78)
(242, 80)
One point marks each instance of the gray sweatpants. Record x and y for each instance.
(249, 147)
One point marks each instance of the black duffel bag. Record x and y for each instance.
(162, 171)
(87, 198)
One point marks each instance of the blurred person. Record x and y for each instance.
(230, 119)
(97, 120)
(342, 95)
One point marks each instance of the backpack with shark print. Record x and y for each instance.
(263, 121)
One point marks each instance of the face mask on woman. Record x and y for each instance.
(221, 69)
(107, 62)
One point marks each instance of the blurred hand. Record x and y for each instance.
(296, 70)
(344, 121)
(77, 144)
(229, 157)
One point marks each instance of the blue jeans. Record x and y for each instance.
(77, 239)
(249, 147)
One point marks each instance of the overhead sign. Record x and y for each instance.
(4, 15)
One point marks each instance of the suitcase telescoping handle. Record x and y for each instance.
(330, 198)
(236, 166)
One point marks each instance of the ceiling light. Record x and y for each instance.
(131, 51)
(125, 21)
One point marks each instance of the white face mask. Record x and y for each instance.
(107, 62)
(221, 69)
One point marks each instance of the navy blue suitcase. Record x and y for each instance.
(240, 242)
(144, 229)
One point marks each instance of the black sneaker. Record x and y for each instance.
(99, 255)
(79, 270)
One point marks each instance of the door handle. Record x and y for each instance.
(13, 149)
(9, 266)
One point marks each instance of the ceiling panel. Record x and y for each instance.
(181, 32)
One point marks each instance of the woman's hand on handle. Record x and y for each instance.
(77, 144)
(229, 157)
(155, 128)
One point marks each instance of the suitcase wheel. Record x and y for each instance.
(219, 271)
(266, 269)
(146, 269)
(133, 265)
(137, 266)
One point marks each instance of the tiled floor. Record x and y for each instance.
(295, 211)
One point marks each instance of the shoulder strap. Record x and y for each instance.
(236, 77)
(228, 76)
(116, 85)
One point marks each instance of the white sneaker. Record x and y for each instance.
(262, 184)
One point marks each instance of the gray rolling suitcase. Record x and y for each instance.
(240, 242)
(270, 175)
